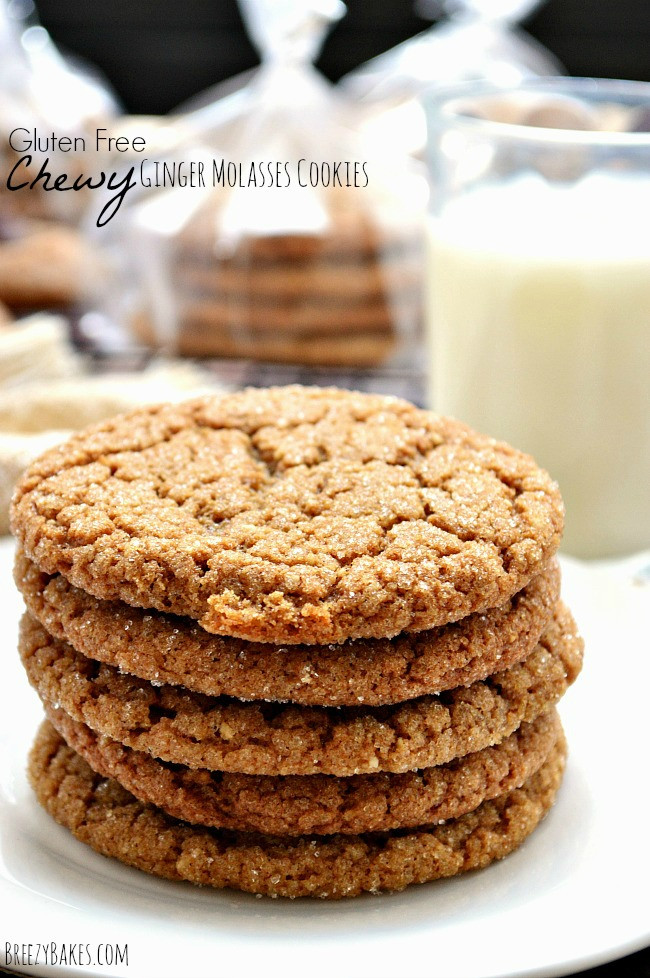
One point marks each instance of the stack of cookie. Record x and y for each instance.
(299, 642)
(348, 295)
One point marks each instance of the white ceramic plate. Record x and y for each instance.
(573, 896)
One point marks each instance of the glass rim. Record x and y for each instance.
(438, 104)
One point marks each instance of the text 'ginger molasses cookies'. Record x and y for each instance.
(168, 649)
(317, 804)
(102, 814)
(270, 738)
(291, 515)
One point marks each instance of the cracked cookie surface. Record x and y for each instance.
(271, 738)
(99, 812)
(317, 803)
(291, 515)
(168, 649)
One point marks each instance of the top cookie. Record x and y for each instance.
(292, 515)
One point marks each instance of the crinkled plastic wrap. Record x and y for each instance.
(44, 260)
(284, 259)
(476, 39)
(40, 90)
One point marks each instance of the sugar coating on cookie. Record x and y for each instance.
(318, 803)
(102, 814)
(273, 738)
(291, 515)
(169, 649)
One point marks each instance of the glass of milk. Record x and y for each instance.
(539, 288)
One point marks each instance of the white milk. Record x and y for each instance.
(540, 334)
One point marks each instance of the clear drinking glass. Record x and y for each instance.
(539, 287)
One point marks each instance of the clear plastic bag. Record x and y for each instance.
(476, 39)
(45, 261)
(304, 246)
(42, 91)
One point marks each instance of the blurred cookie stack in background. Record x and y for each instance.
(344, 296)
(45, 263)
(295, 641)
(308, 252)
(304, 243)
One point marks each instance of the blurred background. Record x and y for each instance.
(157, 53)
(219, 286)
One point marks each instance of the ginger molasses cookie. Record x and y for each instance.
(291, 515)
(273, 738)
(168, 649)
(108, 818)
(317, 803)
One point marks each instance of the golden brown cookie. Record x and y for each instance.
(172, 650)
(270, 738)
(291, 515)
(317, 803)
(106, 817)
